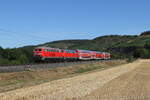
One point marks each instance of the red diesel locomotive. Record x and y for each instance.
(55, 54)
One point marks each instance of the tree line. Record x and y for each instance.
(136, 52)
(15, 56)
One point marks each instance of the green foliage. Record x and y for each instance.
(23, 59)
(91, 68)
(141, 53)
(4, 61)
(145, 33)
(131, 59)
(15, 56)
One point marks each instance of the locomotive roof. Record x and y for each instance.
(84, 50)
(46, 47)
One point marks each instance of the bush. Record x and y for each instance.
(4, 61)
(131, 59)
(141, 53)
(14, 56)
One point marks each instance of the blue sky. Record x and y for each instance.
(29, 22)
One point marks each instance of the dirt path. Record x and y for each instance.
(124, 82)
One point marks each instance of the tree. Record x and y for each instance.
(147, 45)
(23, 59)
(145, 33)
(141, 53)
(1, 51)
(4, 61)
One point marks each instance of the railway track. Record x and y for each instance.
(42, 66)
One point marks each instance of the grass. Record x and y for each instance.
(10, 81)
(92, 67)
(82, 70)
(131, 59)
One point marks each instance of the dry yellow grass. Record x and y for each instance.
(77, 87)
(134, 85)
(11, 81)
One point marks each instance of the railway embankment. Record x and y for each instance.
(40, 66)
(124, 82)
(13, 80)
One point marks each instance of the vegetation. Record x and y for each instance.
(121, 47)
(131, 59)
(145, 33)
(10, 81)
(15, 56)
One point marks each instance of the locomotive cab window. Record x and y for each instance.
(38, 49)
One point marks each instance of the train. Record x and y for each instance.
(56, 54)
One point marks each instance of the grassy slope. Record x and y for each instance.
(138, 41)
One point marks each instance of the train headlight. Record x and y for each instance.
(37, 54)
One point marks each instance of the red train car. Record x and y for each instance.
(85, 54)
(107, 55)
(55, 54)
(70, 55)
(99, 55)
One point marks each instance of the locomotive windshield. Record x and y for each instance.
(38, 49)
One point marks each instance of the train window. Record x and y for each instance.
(38, 49)
(61, 51)
(70, 51)
(52, 50)
(47, 50)
(57, 50)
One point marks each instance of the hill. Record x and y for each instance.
(120, 46)
(98, 43)
(146, 33)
